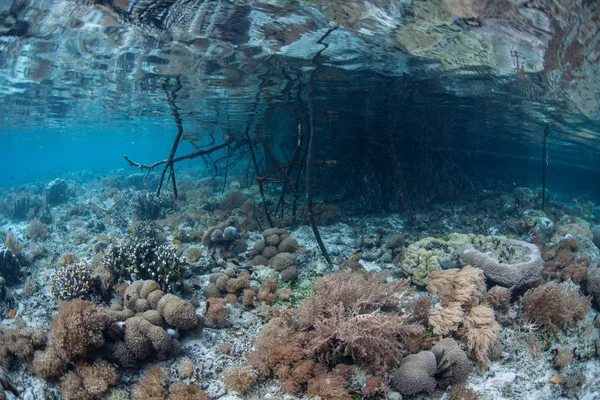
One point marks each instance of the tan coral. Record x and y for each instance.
(178, 313)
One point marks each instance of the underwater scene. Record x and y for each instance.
(299, 199)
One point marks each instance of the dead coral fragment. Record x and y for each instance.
(554, 306)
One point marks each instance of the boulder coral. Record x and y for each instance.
(514, 263)
(278, 251)
(430, 255)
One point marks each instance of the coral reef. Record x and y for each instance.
(147, 206)
(461, 293)
(344, 317)
(514, 263)
(224, 241)
(155, 386)
(57, 192)
(72, 281)
(277, 250)
(142, 257)
(429, 255)
(10, 266)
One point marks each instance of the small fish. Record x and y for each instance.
(176, 241)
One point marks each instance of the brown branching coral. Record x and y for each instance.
(554, 306)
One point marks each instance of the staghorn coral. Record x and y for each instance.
(554, 306)
(72, 281)
(142, 257)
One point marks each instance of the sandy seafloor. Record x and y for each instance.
(515, 373)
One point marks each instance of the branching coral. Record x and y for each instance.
(72, 281)
(142, 257)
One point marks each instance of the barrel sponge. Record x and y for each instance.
(282, 261)
(515, 262)
(453, 365)
(177, 312)
(144, 339)
(416, 374)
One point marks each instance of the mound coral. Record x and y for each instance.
(277, 250)
(514, 263)
(146, 326)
